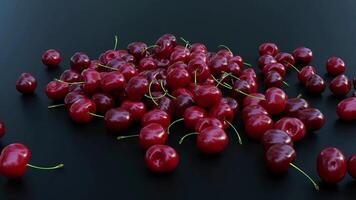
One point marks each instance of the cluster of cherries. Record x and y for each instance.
(154, 84)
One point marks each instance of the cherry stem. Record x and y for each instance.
(187, 135)
(107, 67)
(149, 47)
(222, 78)
(294, 67)
(247, 64)
(178, 120)
(72, 83)
(233, 76)
(55, 106)
(244, 93)
(156, 97)
(195, 76)
(126, 136)
(316, 186)
(96, 115)
(46, 168)
(237, 133)
(224, 85)
(187, 43)
(150, 93)
(166, 91)
(285, 83)
(116, 42)
(226, 47)
(299, 96)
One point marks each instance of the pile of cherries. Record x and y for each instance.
(154, 84)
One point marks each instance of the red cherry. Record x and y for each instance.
(268, 49)
(91, 81)
(252, 110)
(218, 65)
(103, 102)
(137, 49)
(71, 76)
(162, 62)
(51, 58)
(312, 118)
(136, 109)
(199, 69)
(212, 140)
(95, 64)
(293, 126)
(136, 88)
(207, 95)
(335, 66)
(233, 68)
(117, 119)
(241, 89)
(238, 60)
(273, 79)
(276, 100)
(234, 105)
(128, 70)
(315, 84)
(278, 67)
(223, 112)
(152, 134)
(254, 99)
(26, 83)
(79, 61)
(109, 55)
(166, 104)
(303, 55)
(294, 105)
(249, 72)
(206, 122)
(305, 73)
(275, 136)
(57, 90)
(156, 116)
(2, 129)
(340, 85)
(346, 109)
(192, 115)
(146, 64)
(178, 78)
(180, 54)
(198, 47)
(181, 103)
(72, 97)
(112, 81)
(265, 59)
(165, 45)
(81, 110)
(13, 160)
(351, 166)
(256, 125)
(331, 165)
(251, 81)
(161, 159)
(285, 59)
(279, 157)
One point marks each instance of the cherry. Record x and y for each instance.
(92, 80)
(79, 61)
(340, 85)
(305, 73)
(335, 66)
(250, 73)
(303, 55)
(136, 88)
(268, 49)
(251, 81)
(223, 112)
(233, 68)
(71, 98)
(57, 90)
(166, 104)
(26, 83)
(156, 116)
(278, 67)
(152, 134)
(265, 59)
(117, 119)
(178, 78)
(128, 70)
(346, 109)
(192, 115)
(294, 105)
(315, 84)
(252, 110)
(161, 159)
(137, 49)
(207, 95)
(212, 140)
(254, 99)
(162, 62)
(82, 110)
(276, 100)
(103, 102)
(70, 76)
(198, 47)
(218, 65)
(312, 118)
(51, 58)
(2, 129)
(273, 79)
(275, 136)
(292, 126)
(285, 59)
(199, 70)
(182, 91)
(257, 124)
(331, 165)
(205, 122)
(234, 105)
(351, 166)
(136, 109)
(238, 60)
(112, 81)
(181, 103)
(165, 45)
(241, 89)
(279, 157)
(180, 54)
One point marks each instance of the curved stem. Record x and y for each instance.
(299, 96)
(226, 47)
(116, 42)
(72, 83)
(316, 186)
(156, 97)
(222, 78)
(187, 135)
(126, 136)
(46, 168)
(187, 43)
(107, 67)
(237, 133)
(244, 93)
(195, 76)
(285, 83)
(224, 84)
(166, 91)
(149, 47)
(55, 106)
(96, 115)
(247, 64)
(294, 67)
(178, 120)
(150, 93)
(233, 76)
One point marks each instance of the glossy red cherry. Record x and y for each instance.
(198, 47)
(72, 97)
(180, 54)
(335, 66)
(249, 73)
(252, 110)
(251, 81)
(312, 118)
(152, 134)
(117, 119)
(331, 165)
(51, 58)
(57, 90)
(161, 159)
(265, 59)
(165, 45)
(128, 70)
(278, 67)
(212, 140)
(315, 84)
(103, 102)
(81, 110)
(79, 61)
(257, 125)
(198, 70)
(305, 73)
(268, 48)
(303, 55)
(181, 103)
(218, 65)
(292, 126)
(340, 85)
(13, 160)
(136, 88)
(91, 81)
(137, 49)
(294, 105)
(273, 79)
(234, 105)
(241, 89)
(206, 122)
(26, 83)
(276, 100)
(346, 109)
(275, 136)
(156, 116)
(2, 129)
(285, 59)
(178, 78)
(136, 109)
(192, 115)
(207, 95)
(254, 99)
(279, 157)
(351, 166)
(112, 81)
(71, 76)
(238, 60)
(166, 104)
(223, 112)
(146, 64)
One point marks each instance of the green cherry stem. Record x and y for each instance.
(247, 64)
(224, 85)
(166, 91)
(126, 136)
(149, 47)
(294, 67)
(150, 93)
(226, 47)
(285, 83)
(56, 106)
(176, 121)
(187, 43)
(96, 115)
(116, 42)
(244, 93)
(316, 186)
(46, 168)
(187, 135)
(237, 133)
(233, 76)
(107, 67)
(72, 83)
(299, 96)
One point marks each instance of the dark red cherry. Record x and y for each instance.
(117, 119)
(238, 60)
(94, 64)
(91, 81)
(303, 55)
(293, 126)
(199, 69)
(331, 165)
(346, 109)
(340, 85)
(166, 104)
(218, 65)
(240, 89)
(212, 140)
(273, 79)
(178, 78)
(305, 73)
(225, 53)
(312, 118)
(181, 103)
(256, 125)
(146, 64)
(103, 102)
(254, 99)
(233, 68)
(335, 66)
(278, 67)
(351, 166)
(268, 49)
(152, 134)
(156, 116)
(137, 49)
(26, 83)
(79, 61)
(161, 159)
(285, 59)
(192, 115)
(276, 100)
(128, 70)
(223, 112)
(250, 73)
(279, 157)
(315, 84)
(136, 88)
(275, 136)
(252, 110)
(182, 91)
(162, 62)
(206, 122)
(198, 47)
(207, 95)
(2, 129)
(136, 109)
(56, 90)
(71, 76)
(180, 54)
(251, 81)
(80, 111)
(197, 55)
(72, 97)
(265, 59)
(112, 81)
(109, 55)
(165, 45)
(51, 58)
(294, 105)
(234, 105)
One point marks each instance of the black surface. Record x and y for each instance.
(99, 167)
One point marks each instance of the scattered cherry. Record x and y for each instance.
(51, 58)
(315, 84)
(81, 110)
(293, 126)
(335, 66)
(312, 118)
(79, 61)
(346, 109)
(26, 83)
(275, 136)
(212, 140)
(351, 166)
(303, 55)
(340, 85)
(117, 119)
(161, 159)
(152, 134)
(331, 165)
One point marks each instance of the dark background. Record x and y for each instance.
(99, 167)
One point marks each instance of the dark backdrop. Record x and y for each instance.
(99, 167)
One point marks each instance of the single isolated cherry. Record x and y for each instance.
(315, 84)
(303, 55)
(152, 134)
(292, 126)
(51, 58)
(340, 85)
(346, 109)
(268, 48)
(351, 166)
(275, 136)
(161, 159)
(331, 165)
(82, 110)
(312, 118)
(335, 66)
(26, 83)
(2, 129)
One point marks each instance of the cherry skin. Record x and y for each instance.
(223, 112)
(112, 81)
(146, 64)
(117, 119)
(351, 166)
(192, 115)
(198, 47)
(285, 59)
(198, 68)
(166, 104)
(346, 109)
(206, 122)
(305, 73)
(252, 110)
(276, 100)
(315, 84)
(136, 109)
(279, 157)
(240, 89)
(71, 76)
(156, 116)
(294, 105)
(218, 65)
(340, 85)
(265, 59)
(233, 68)
(292, 126)
(51, 58)
(92, 80)
(303, 55)
(79, 61)
(165, 45)
(275, 136)
(2, 129)
(80, 110)
(268, 49)
(152, 134)
(273, 79)
(13, 160)
(56, 90)
(137, 49)
(250, 73)
(136, 88)
(254, 99)
(72, 97)
(251, 81)
(234, 105)
(103, 102)
(26, 83)
(257, 125)
(335, 66)
(181, 103)
(161, 159)
(207, 95)
(312, 118)
(212, 140)
(278, 67)
(128, 70)
(178, 78)
(331, 165)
